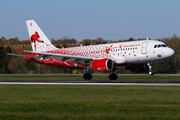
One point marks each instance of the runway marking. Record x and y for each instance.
(83, 83)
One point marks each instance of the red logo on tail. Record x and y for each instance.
(34, 38)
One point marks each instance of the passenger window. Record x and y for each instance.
(155, 46)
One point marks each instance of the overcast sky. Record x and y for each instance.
(90, 19)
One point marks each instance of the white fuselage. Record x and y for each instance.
(140, 52)
(124, 52)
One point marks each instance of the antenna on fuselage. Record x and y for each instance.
(147, 39)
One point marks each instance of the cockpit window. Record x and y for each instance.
(160, 45)
(163, 45)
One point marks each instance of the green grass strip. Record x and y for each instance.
(89, 102)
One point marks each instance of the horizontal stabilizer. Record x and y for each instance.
(22, 55)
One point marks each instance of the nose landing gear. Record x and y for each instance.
(150, 68)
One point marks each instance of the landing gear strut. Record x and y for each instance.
(113, 76)
(150, 68)
(87, 75)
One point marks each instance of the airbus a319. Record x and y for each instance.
(135, 55)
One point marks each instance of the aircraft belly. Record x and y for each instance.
(139, 58)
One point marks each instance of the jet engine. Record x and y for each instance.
(138, 67)
(102, 65)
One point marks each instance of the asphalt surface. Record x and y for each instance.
(121, 83)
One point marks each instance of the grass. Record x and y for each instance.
(104, 77)
(89, 102)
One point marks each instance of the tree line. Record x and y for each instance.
(15, 65)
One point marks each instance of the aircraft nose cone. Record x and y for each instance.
(170, 53)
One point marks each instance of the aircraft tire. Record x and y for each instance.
(113, 77)
(151, 73)
(87, 76)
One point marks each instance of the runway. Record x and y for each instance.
(117, 83)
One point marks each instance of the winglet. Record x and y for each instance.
(20, 51)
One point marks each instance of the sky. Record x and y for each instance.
(90, 19)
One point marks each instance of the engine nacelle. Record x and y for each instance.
(102, 65)
(138, 67)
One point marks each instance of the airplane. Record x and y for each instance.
(135, 55)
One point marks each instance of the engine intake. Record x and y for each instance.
(102, 65)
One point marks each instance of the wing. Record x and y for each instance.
(77, 60)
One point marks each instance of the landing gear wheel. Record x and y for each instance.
(151, 73)
(113, 77)
(87, 76)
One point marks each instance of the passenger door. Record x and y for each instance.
(144, 48)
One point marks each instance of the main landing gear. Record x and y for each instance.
(150, 68)
(113, 76)
(87, 75)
